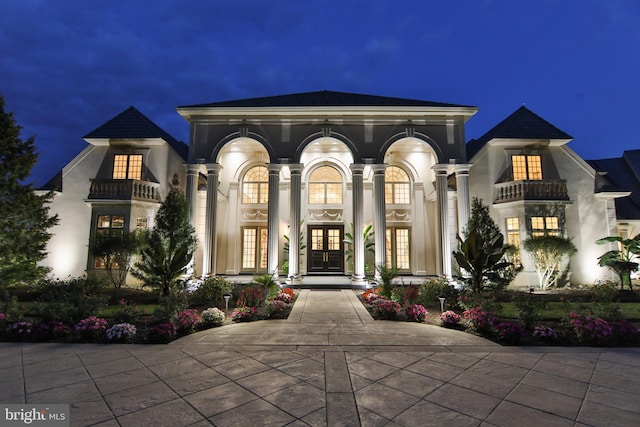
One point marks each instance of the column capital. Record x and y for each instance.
(462, 169)
(379, 168)
(356, 168)
(274, 168)
(296, 168)
(192, 168)
(213, 168)
(441, 168)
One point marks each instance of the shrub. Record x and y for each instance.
(211, 292)
(509, 332)
(213, 317)
(369, 295)
(528, 308)
(19, 331)
(251, 296)
(545, 334)
(161, 333)
(397, 294)
(92, 328)
(385, 309)
(411, 294)
(590, 330)
(52, 330)
(71, 300)
(243, 314)
(433, 288)
(290, 292)
(278, 309)
(450, 318)
(416, 313)
(121, 332)
(187, 320)
(625, 333)
(128, 313)
(284, 297)
(481, 321)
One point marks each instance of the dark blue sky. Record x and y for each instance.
(69, 66)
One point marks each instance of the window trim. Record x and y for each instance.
(391, 247)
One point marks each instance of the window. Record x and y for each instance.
(142, 223)
(396, 186)
(106, 226)
(545, 226)
(513, 231)
(127, 166)
(255, 187)
(397, 248)
(325, 186)
(254, 249)
(526, 167)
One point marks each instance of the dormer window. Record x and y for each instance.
(527, 167)
(127, 166)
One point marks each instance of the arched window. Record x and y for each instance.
(325, 186)
(396, 186)
(255, 186)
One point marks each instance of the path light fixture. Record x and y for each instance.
(441, 303)
(226, 303)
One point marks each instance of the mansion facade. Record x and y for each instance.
(285, 185)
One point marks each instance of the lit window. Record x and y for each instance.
(545, 226)
(127, 166)
(254, 249)
(108, 226)
(255, 186)
(397, 248)
(526, 167)
(513, 231)
(396, 186)
(142, 223)
(325, 186)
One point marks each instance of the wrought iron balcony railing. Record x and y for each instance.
(546, 189)
(124, 189)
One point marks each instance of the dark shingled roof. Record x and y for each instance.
(622, 174)
(132, 124)
(521, 124)
(54, 184)
(325, 98)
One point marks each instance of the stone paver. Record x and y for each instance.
(330, 364)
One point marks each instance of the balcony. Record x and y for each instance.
(124, 189)
(546, 189)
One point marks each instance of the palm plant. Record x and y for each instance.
(623, 260)
(369, 243)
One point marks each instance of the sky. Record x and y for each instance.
(67, 66)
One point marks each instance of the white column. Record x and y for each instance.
(294, 226)
(192, 191)
(379, 216)
(209, 251)
(462, 185)
(273, 225)
(443, 219)
(358, 223)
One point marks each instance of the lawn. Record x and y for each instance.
(557, 310)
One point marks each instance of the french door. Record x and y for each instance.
(326, 249)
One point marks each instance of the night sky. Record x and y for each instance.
(69, 66)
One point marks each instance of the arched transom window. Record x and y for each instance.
(325, 186)
(255, 186)
(396, 186)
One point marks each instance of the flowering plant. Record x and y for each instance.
(213, 316)
(590, 330)
(121, 332)
(289, 292)
(243, 314)
(277, 309)
(385, 309)
(545, 333)
(3, 317)
(370, 295)
(480, 320)
(509, 332)
(162, 332)
(283, 297)
(625, 332)
(19, 330)
(52, 330)
(449, 318)
(91, 328)
(416, 313)
(187, 320)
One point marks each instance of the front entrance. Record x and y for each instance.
(326, 249)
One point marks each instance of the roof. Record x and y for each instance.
(325, 98)
(132, 124)
(521, 124)
(622, 174)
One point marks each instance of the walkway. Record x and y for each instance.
(328, 364)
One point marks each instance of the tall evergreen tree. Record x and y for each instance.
(24, 215)
(169, 247)
(482, 222)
